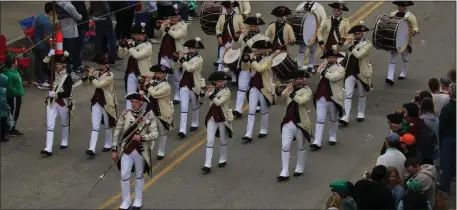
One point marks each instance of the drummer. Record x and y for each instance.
(228, 28)
(402, 11)
(334, 29)
(286, 37)
(319, 11)
(245, 43)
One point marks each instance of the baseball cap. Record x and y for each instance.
(407, 139)
(392, 137)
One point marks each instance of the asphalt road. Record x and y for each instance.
(249, 180)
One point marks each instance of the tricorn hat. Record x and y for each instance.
(230, 4)
(139, 29)
(339, 5)
(65, 58)
(403, 3)
(161, 68)
(219, 75)
(359, 28)
(262, 44)
(332, 52)
(194, 43)
(254, 20)
(137, 96)
(105, 59)
(281, 11)
(298, 74)
(176, 11)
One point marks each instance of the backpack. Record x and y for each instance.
(426, 142)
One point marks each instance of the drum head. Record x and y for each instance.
(231, 55)
(403, 35)
(279, 58)
(309, 29)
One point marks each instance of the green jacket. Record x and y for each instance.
(4, 108)
(14, 86)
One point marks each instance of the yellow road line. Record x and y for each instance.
(360, 10)
(369, 11)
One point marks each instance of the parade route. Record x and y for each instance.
(249, 179)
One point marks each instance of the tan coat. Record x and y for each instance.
(162, 92)
(105, 82)
(317, 9)
(194, 66)
(142, 53)
(303, 98)
(335, 74)
(238, 24)
(245, 7)
(149, 134)
(246, 66)
(264, 70)
(222, 100)
(411, 19)
(288, 34)
(362, 52)
(179, 32)
(324, 29)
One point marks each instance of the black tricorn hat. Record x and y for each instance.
(403, 3)
(298, 74)
(219, 75)
(262, 44)
(230, 4)
(139, 29)
(333, 52)
(281, 11)
(194, 43)
(395, 118)
(105, 59)
(176, 11)
(254, 20)
(359, 28)
(161, 68)
(65, 58)
(137, 96)
(339, 5)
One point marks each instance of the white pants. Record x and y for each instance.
(97, 113)
(324, 108)
(221, 56)
(349, 84)
(289, 132)
(176, 75)
(243, 85)
(51, 115)
(254, 97)
(163, 133)
(211, 129)
(186, 96)
(392, 61)
(301, 54)
(132, 87)
(127, 162)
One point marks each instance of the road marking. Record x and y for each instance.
(360, 10)
(369, 11)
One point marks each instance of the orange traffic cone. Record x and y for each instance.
(59, 43)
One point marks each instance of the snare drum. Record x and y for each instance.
(231, 58)
(305, 27)
(391, 33)
(283, 65)
(209, 15)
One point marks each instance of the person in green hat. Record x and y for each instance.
(343, 189)
(14, 90)
(414, 197)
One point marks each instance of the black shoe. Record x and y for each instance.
(206, 170)
(136, 207)
(159, 157)
(123, 209)
(176, 102)
(46, 153)
(63, 147)
(360, 119)
(236, 114)
(390, 82)
(294, 139)
(257, 110)
(401, 78)
(343, 123)
(282, 178)
(90, 153)
(314, 147)
(15, 133)
(311, 70)
(332, 143)
(298, 174)
(246, 139)
(222, 165)
(5, 139)
(106, 149)
(193, 129)
(182, 135)
(262, 135)
(216, 64)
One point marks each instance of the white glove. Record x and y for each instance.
(52, 94)
(141, 92)
(51, 52)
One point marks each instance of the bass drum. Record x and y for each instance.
(305, 27)
(209, 14)
(282, 66)
(391, 33)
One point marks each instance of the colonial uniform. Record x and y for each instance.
(103, 105)
(189, 85)
(245, 42)
(59, 103)
(332, 29)
(135, 155)
(281, 34)
(328, 99)
(243, 8)
(319, 11)
(172, 42)
(159, 93)
(139, 62)
(259, 90)
(296, 124)
(358, 71)
(405, 54)
(218, 120)
(226, 27)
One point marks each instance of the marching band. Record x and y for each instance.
(148, 116)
